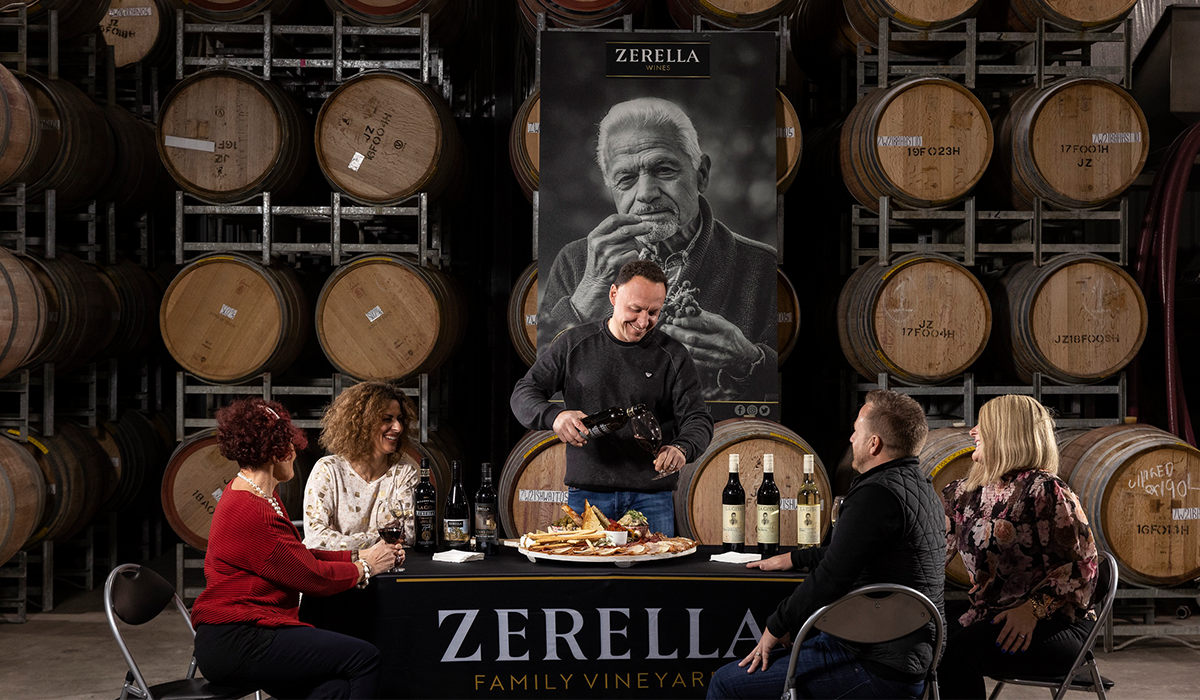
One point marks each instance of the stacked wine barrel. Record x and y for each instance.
(532, 489)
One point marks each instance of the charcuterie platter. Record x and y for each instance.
(594, 538)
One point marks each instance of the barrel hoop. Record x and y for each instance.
(538, 447)
(942, 464)
(32, 441)
(788, 439)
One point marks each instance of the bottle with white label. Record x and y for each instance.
(456, 514)
(733, 511)
(808, 508)
(767, 517)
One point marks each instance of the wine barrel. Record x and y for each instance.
(383, 317)
(137, 452)
(23, 313)
(22, 497)
(789, 143)
(1078, 144)
(575, 13)
(531, 489)
(240, 10)
(225, 136)
(522, 314)
(138, 298)
(1138, 486)
(923, 319)
(1073, 16)
(112, 464)
(139, 31)
(822, 30)
(698, 497)
(524, 144)
(138, 178)
(382, 137)
(924, 142)
(946, 457)
(730, 14)
(195, 477)
(1078, 318)
(75, 149)
(75, 17)
(443, 14)
(787, 303)
(226, 318)
(20, 129)
(76, 472)
(82, 310)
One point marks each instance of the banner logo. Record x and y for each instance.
(636, 59)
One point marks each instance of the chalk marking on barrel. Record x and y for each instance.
(130, 12)
(1118, 137)
(539, 496)
(190, 144)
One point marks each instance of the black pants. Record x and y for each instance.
(288, 662)
(971, 653)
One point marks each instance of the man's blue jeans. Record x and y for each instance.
(658, 507)
(824, 669)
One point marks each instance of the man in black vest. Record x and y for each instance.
(890, 529)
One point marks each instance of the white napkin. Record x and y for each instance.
(457, 556)
(735, 557)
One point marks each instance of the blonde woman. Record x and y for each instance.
(1029, 550)
(357, 489)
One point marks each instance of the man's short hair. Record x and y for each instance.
(643, 112)
(899, 421)
(641, 268)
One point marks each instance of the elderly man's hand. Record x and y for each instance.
(714, 343)
(609, 246)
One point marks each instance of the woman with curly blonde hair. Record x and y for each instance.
(365, 479)
(1027, 545)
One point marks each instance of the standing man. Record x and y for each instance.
(650, 156)
(891, 529)
(621, 361)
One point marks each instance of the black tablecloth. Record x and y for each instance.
(507, 627)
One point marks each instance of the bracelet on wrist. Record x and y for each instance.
(1040, 611)
(366, 573)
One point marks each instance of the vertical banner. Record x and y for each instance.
(662, 147)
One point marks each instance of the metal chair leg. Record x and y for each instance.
(996, 691)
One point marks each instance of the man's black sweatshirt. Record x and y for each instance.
(595, 371)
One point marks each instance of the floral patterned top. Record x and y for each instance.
(1025, 536)
(343, 511)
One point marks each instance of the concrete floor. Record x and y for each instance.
(70, 653)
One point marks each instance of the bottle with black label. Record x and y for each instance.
(485, 513)
(733, 511)
(456, 515)
(808, 508)
(425, 502)
(607, 421)
(767, 517)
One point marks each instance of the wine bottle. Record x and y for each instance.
(733, 511)
(808, 508)
(456, 515)
(425, 502)
(767, 521)
(485, 513)
(607, 421)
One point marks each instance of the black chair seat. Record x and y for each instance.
(196, 689)
(1080, 682)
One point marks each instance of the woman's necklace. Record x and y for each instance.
(259, 491)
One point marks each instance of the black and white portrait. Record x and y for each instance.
(662, 147)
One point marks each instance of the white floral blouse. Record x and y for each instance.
(343, 511)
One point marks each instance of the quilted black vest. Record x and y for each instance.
(916, 560)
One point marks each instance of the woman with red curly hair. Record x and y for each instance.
(248, 629)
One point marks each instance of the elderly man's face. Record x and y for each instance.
(651, 176)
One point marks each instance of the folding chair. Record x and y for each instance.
(137, 595)
(1083, 675)
(869, 615)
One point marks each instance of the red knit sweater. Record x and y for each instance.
(256, 566)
